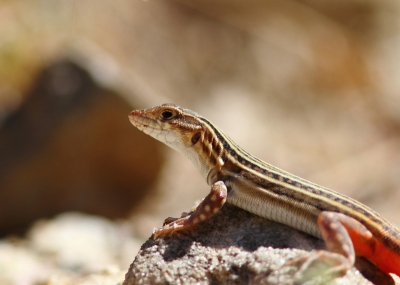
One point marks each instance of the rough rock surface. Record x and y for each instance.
(233, 247)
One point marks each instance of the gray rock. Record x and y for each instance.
(233, 247)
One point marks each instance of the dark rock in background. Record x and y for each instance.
(70, 147)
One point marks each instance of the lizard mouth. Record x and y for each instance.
(144, 123)
(151, 127)
(138, 120)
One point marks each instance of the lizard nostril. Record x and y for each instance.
(134, 113)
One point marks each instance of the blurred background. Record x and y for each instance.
(312, 87)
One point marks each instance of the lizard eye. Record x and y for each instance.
(167, 114)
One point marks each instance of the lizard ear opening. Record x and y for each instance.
(196, 137)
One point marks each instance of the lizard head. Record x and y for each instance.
(182, 130)
(170, 124)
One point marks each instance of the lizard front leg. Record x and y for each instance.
(206, 209)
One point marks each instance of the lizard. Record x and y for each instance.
(348, 227)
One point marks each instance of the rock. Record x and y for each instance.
(72, 248)
(80, 242)
(108, 276)
(233, 247)
(20, 265)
